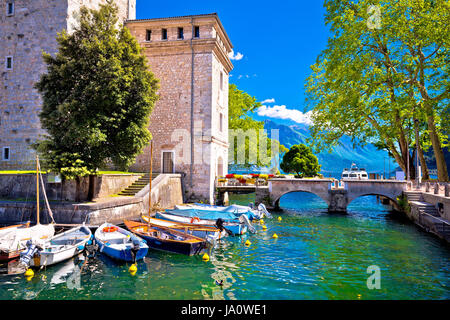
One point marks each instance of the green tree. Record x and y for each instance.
(385, 65)
(98, 95)
(301, 160)
(249, 143)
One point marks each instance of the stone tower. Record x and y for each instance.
(189, 123)
(28, 27)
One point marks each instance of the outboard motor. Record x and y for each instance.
(262, 208)
(219, 225)
(244, 219)
(28, 254)
(134, 249)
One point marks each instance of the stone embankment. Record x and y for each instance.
(429, 208)
(166, 192)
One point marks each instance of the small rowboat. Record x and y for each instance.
(120, 244)
(236, 210)
(209, 233)
(166, 239)
(235, 226)
(60, 247)
(13, 240)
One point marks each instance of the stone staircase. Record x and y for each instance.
(414, 195)
(436, 225)
(137, 186)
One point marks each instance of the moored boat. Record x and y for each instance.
(166, 239)
(120, 244)
(237, 210)
(14, 240)
(58, 248)
(209, 233)
(13, 243)
(233, 225)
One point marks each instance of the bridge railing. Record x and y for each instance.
(243, 180)
(437, 188)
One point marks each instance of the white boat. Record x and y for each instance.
(14, 240)
(209, 233)
(60, 247)
(252, 213)
(354, 173)
(238, 226)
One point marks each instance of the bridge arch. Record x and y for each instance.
(280, 187)
(276, 202)
(394, 200)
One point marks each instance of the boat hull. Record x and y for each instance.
(53, 253)
(235, 228)
(6, 256)
(208, 233)
(188, 244)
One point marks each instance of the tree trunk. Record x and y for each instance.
(423, 165)
(77, 190)
(91, 191)
(438, 153)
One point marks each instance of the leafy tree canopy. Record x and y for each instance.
(97, 95)
(300, 160)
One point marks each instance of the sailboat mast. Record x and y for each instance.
(37, 189)
(151, 178)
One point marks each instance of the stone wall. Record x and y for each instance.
(24, 35)
(186, 118)
(23, 186)
(166, 190)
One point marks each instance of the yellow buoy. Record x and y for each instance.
(205, 257)
(133, 268)
(264, 227)
(275, 236)
(279, 219)
(29, 273)
(29, 278)
(247, 243)
(261, 221)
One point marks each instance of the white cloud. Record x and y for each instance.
(238, 56)
(271, 100)
(281, 112)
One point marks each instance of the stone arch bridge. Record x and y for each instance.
(337, 195)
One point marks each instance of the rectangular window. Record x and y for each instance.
(148, 35)
(196, 32)
(5, 154)
(221, 122)
(9, 63)
(167, 159)
(221, 80)
(164, 34)
(10, 8)
(180, 33)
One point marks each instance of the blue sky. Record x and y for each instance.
(277, 42)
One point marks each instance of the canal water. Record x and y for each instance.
(316, 256)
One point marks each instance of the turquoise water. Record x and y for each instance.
(316, 256)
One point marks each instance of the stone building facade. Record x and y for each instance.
(188, 54)
(189, 123)
(28, 27)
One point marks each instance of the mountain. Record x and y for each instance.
(341, 156)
